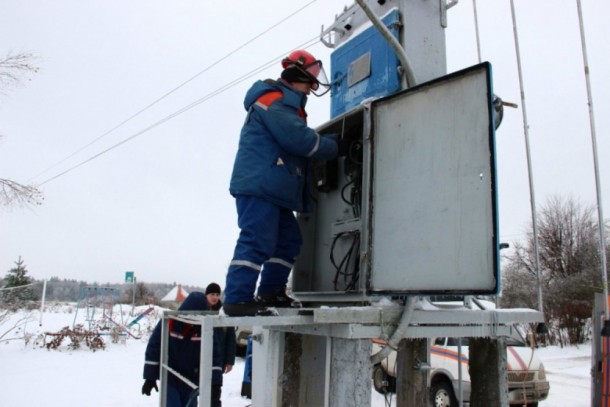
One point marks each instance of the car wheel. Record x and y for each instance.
(441, 395)
(381, 380)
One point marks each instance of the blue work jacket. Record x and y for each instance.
(184, 348)
(276, 146)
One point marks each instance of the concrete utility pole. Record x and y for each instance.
(413, 367)
(488, 372)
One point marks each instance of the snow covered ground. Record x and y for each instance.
(34, 376)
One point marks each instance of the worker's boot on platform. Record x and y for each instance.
(246, 309)
(278, 299)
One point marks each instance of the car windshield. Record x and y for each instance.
(516, 340)
(454, 341)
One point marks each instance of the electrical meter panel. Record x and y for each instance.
(365, 67)
(409, 206)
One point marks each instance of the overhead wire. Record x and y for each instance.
(144, 109)
(216, 92)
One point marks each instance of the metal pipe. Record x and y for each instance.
(163, 360)
(394, 43)
(460, 386)
(529, 161)
(206, 362)
(399, 333)
(44, 295)
(408, 76)
(476, 28)
(133, 296)
(600, 213)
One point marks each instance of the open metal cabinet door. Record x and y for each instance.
(432, 211)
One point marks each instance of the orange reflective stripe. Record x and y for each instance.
(268, 98)
(517, 357)
(302, 114)
(379, 341)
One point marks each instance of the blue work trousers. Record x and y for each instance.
(269, 242)
(188, 397)
(180, 397)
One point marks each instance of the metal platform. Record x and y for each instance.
(340, 323)
(373, 322)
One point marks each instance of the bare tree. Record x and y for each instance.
(14, 193)
(569, 263)
(14, 69)
(143, 295)
(12, 323)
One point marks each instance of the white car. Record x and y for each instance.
(527, 383)
(241, 338)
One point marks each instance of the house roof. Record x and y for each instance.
(177, 293)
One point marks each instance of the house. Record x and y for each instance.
(174, 297)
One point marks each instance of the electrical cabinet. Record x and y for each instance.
(410, 205)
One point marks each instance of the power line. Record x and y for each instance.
(139, 112)
(217, 92)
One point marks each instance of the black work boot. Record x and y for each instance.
(278, 299)
(246, 309)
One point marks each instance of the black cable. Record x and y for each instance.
(356, 199)
(343, 198)
(332, 259)
(355, 148)
(341, 269)
(355, 274)
(177, 113)
(388, 399)
(353, 171)
(173, 90)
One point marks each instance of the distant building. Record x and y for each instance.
(174, 297)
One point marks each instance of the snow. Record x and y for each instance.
(32, 375)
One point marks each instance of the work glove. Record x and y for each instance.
(333, 136)
(341, 143)
(148, 386)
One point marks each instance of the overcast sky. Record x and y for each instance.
(159, 203)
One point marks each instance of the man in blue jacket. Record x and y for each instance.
(184, 352)
(270, 181)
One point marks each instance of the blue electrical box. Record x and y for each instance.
(364, 66)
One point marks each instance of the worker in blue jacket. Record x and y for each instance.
(225, 345)
(184, 350)
(270, 181)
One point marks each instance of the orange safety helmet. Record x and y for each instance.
(305, 63)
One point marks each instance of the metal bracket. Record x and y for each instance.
(451, 3)
(419, 365)
(446, 5)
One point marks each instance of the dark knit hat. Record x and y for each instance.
(293, 74)
(212, 288)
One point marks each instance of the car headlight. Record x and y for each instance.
(541, 372)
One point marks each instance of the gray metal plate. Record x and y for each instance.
(433, 204)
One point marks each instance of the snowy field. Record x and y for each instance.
(34, 376)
